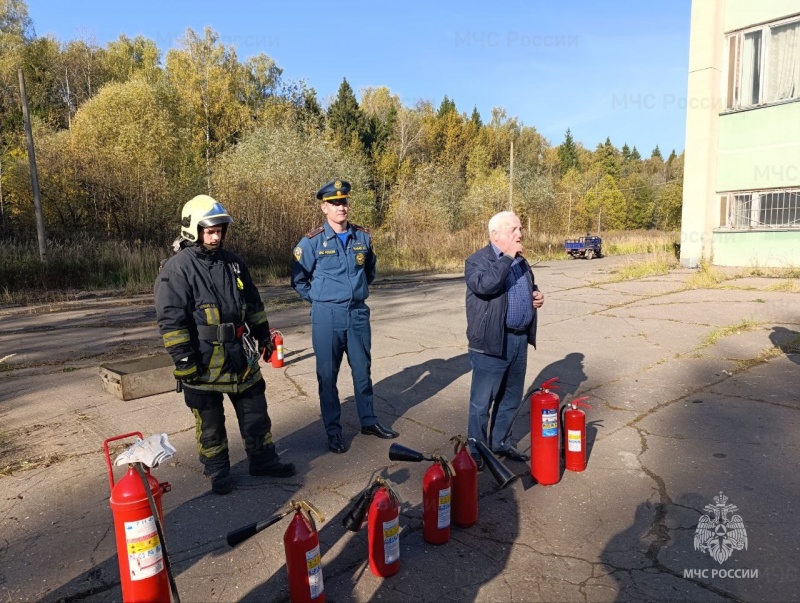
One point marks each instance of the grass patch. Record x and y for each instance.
(785, 286)
(717, 334)
(625, 242)
(708, 277)
(658, 264)
(85, 264)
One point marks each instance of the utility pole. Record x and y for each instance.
(569, 215)
(511, 181)
(37, 199)
(2, 206)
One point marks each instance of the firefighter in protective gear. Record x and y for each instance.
(207, 309)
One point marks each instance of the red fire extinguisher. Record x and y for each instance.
(143, 564)
(301, 545)
(303, 560)
(436, 492)
(465, 485)
(437, 496)
(384, 532)
(574, 422)
(545, 457)
(277, 348)
(384, 525)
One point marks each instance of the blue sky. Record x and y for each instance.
(616, 68)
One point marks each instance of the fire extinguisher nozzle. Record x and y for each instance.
(355, 517)
(398, 452)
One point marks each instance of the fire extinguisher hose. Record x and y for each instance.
(173, 587)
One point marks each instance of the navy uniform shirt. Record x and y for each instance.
(324, 270)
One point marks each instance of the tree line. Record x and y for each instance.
(125, 135)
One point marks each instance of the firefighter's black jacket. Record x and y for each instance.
(197, 288)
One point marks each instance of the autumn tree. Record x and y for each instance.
(132, 142)
(208, 78)
(269, 180)
(126, 58)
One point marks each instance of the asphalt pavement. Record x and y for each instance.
(694, 394)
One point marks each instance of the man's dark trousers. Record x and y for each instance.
(496, 393)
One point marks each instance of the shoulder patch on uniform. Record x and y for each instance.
(317, 231)
(361, 228)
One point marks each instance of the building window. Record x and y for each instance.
(763, 209)
(764, 64)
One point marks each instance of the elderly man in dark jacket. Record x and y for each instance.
(502, 300)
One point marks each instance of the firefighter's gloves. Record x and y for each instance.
(187, 371)
(265, 348)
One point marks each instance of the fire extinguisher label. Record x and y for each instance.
(549, 423)
(144, 548)
(444, 509)
(279, 349)
(314, 568)
(391, 540)
(573, 440)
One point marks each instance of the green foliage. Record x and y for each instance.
(346, 121)
(447, 106)
(122, 142)
(475, 118)
(656, 154)
(268, 182)
(605, 206)
(127, 58)
(132, 145)
(82, 263)
(568, 154)
(210, 82)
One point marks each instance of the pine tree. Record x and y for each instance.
(446, 107)
(635, 156)
(626, 152)
(568, 154)
(608, 158)
(656, 154)
(346, 120)
(476, 117)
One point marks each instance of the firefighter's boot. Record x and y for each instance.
(266, 462)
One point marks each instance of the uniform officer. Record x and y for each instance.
(206, 307)
(333, 268)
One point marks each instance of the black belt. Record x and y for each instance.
(223, 333)
(517, 331)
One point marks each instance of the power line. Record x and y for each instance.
(633, 188)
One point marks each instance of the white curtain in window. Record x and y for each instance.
(783, 70)
(751, 61)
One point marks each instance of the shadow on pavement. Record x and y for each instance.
(570, 373)
(256, 499)
(788, 341)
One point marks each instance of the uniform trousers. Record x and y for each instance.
(212, 439)
(337, 329)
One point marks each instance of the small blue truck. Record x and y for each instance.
(584, 247)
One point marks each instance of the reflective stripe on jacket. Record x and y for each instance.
(200, 288)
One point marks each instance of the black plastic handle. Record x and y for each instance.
(240, 535)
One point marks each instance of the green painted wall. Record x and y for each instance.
(766, 249)
(740, 14)
(759, 148)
